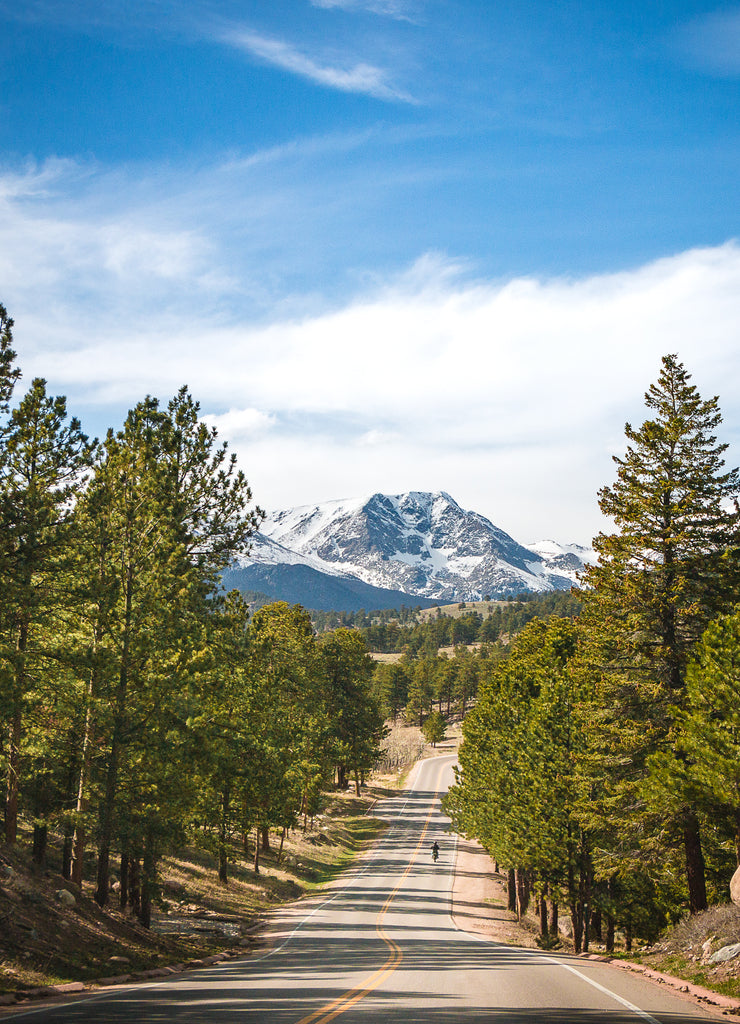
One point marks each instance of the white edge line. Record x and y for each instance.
(98, 996)
(533, 953)
(601, 988)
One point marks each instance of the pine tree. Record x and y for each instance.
(42, 463)
(518, 789)
(9, 373)
(166, 511)
(668, 568)
(705, 763)
(355, 721)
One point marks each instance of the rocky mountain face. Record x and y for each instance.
(419, 545)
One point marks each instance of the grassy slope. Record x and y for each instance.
(43, 942)
(684, 951)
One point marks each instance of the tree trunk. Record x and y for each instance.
(695, 875)
(148, 881)
(610, 928)
(134, 878)
(522, 893)
(554, 918)
(358, 791)
(123, 893)
(79, 839)
(265, 838)
(106, 819)
(257, 851)
(111, 778)
(282, 841)
(40, 837)
(14, 744)
(511, 889)
(543, 917)
(68, 829)
(575, 910)
(223, 856)
(67, 852)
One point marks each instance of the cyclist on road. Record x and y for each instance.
(435, 850)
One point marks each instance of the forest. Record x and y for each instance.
(142, 707)
(601, 763)
(139, 704)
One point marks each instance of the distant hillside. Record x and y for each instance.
(300, 584)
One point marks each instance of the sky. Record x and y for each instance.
(389, 245)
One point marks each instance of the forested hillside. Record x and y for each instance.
(600, 763)
(412, 631)
(142, 707)
(139, 706)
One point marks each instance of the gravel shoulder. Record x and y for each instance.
(479, 899)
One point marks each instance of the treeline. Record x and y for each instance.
(402, 631)
(600, 764)
(138, 703)
(416, 687)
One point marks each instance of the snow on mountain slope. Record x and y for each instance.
(422, 544)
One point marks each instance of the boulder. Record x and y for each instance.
(65, 897)
(724, 954)
(735, 888)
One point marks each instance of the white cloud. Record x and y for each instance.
(360, 78)
(243, 425)
(402, 10)
(511, 395)
(373, 438)
(711, 42)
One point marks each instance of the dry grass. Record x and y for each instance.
(43, 942)
(454, 611)
(684, 952)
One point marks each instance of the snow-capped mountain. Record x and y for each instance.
(417, 545)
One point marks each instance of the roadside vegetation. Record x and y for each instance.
(165, 747)
(599, 765)
(48, 940)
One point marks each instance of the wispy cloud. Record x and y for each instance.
(511, 395)
(359, 78)
(402, 10)
(245, 425)
(711, 42)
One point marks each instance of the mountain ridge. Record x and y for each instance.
(421, 546)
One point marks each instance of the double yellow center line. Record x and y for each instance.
(395, 956)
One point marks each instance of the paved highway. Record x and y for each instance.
(381, 946)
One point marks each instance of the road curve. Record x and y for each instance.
(380, 945)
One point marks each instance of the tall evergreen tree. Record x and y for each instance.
(704, 766)
(9, 373)
(166, 511)
(355, 721)
(42, 462)
(670, 565)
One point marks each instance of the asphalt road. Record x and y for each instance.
(381, 946)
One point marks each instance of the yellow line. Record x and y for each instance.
(354, 995)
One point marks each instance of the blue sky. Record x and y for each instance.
(389, 244)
